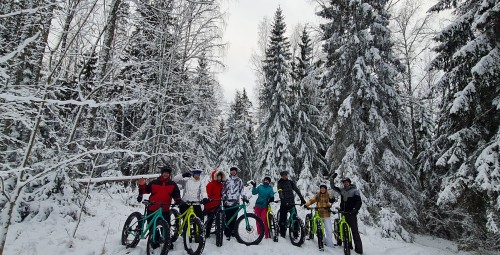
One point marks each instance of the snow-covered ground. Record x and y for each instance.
(100, 234)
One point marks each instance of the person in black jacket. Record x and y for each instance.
(286, 188)
(350, 203)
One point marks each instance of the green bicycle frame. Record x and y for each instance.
(315, 225)
(293, 212)
(341, 223)
(269, 212)
(186, 219)
(154, 218)
(240, 207)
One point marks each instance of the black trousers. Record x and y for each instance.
(230, 227)
(352, 220)
(196, 208)
(284, 208)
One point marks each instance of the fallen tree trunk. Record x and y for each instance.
(102, 180)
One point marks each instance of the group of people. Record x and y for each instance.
(230, 189)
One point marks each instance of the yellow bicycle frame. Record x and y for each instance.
(186, 219)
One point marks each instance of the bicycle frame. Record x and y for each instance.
(293, 212)
(269, 212)
(240, 207)
(153, 219)
(314, 218)
(341, 223)
(186, 219)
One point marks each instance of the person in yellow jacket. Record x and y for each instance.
(324, 201)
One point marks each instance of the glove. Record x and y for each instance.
(180, 202)
(139, 198)
(331, 200)
(271, 199)
(253, 184)
(302, 201)
(334, 175)
(204, 201)
(305, 206)
(245, 200)
(188, 174)
(355, 211)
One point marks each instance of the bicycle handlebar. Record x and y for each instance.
(147, 202)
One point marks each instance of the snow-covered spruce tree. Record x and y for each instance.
(274, 99)
(202, 116)
(464, 186)
(368, 143)
(308, 138)
(237, 141)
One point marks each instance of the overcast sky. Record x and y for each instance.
(242, 21)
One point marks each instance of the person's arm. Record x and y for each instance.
(203, 192)
(332, 185)
(255, 190)
(179, 179)
(242, 189)
(297, 190)
(357, 201)
(225, 187)
(311, 201)
(280, 190)
(176, 194)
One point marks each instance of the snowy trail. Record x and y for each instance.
(100, 234)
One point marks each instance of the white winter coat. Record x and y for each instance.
(194, 190)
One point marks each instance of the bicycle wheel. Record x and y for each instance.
(296, 231)
(273, 230)
(174, 225)
(308, 227)
(132, 229)
(336, 232)
(319, 233)
(194, 236)
(247, 234)
(345, 239)
(159, 243)
(219, 228)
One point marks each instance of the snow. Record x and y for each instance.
(100, 234)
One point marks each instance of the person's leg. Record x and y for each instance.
(229, 213)
(328, 232)
(208, 223)
(282, 220)
(263, 216)
(258, 212)
(352, 220)
(198, 211)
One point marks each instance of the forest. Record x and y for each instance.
(411, 113)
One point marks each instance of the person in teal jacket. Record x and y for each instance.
(265, 195)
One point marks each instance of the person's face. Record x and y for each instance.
(284, 177)
(233, 172)
(196, 176)
(218, 178)
(266, 181)
(165, 175)
(346, 184)
(322, 190)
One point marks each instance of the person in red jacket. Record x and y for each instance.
(162, 190)
(214, 193)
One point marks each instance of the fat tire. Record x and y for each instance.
(197, 236)
(132, 224)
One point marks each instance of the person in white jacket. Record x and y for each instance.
(193, 189)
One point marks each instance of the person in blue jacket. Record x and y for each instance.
(265, 195)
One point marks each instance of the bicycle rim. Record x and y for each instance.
(195, 241)
(131, 232)
(159, 242)
(247, 234)
(308, 228)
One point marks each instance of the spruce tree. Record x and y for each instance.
(464, 185)
(237, 142)
(308, 138)
(368, 143)
(274, 129)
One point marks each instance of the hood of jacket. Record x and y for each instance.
(218, 172)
